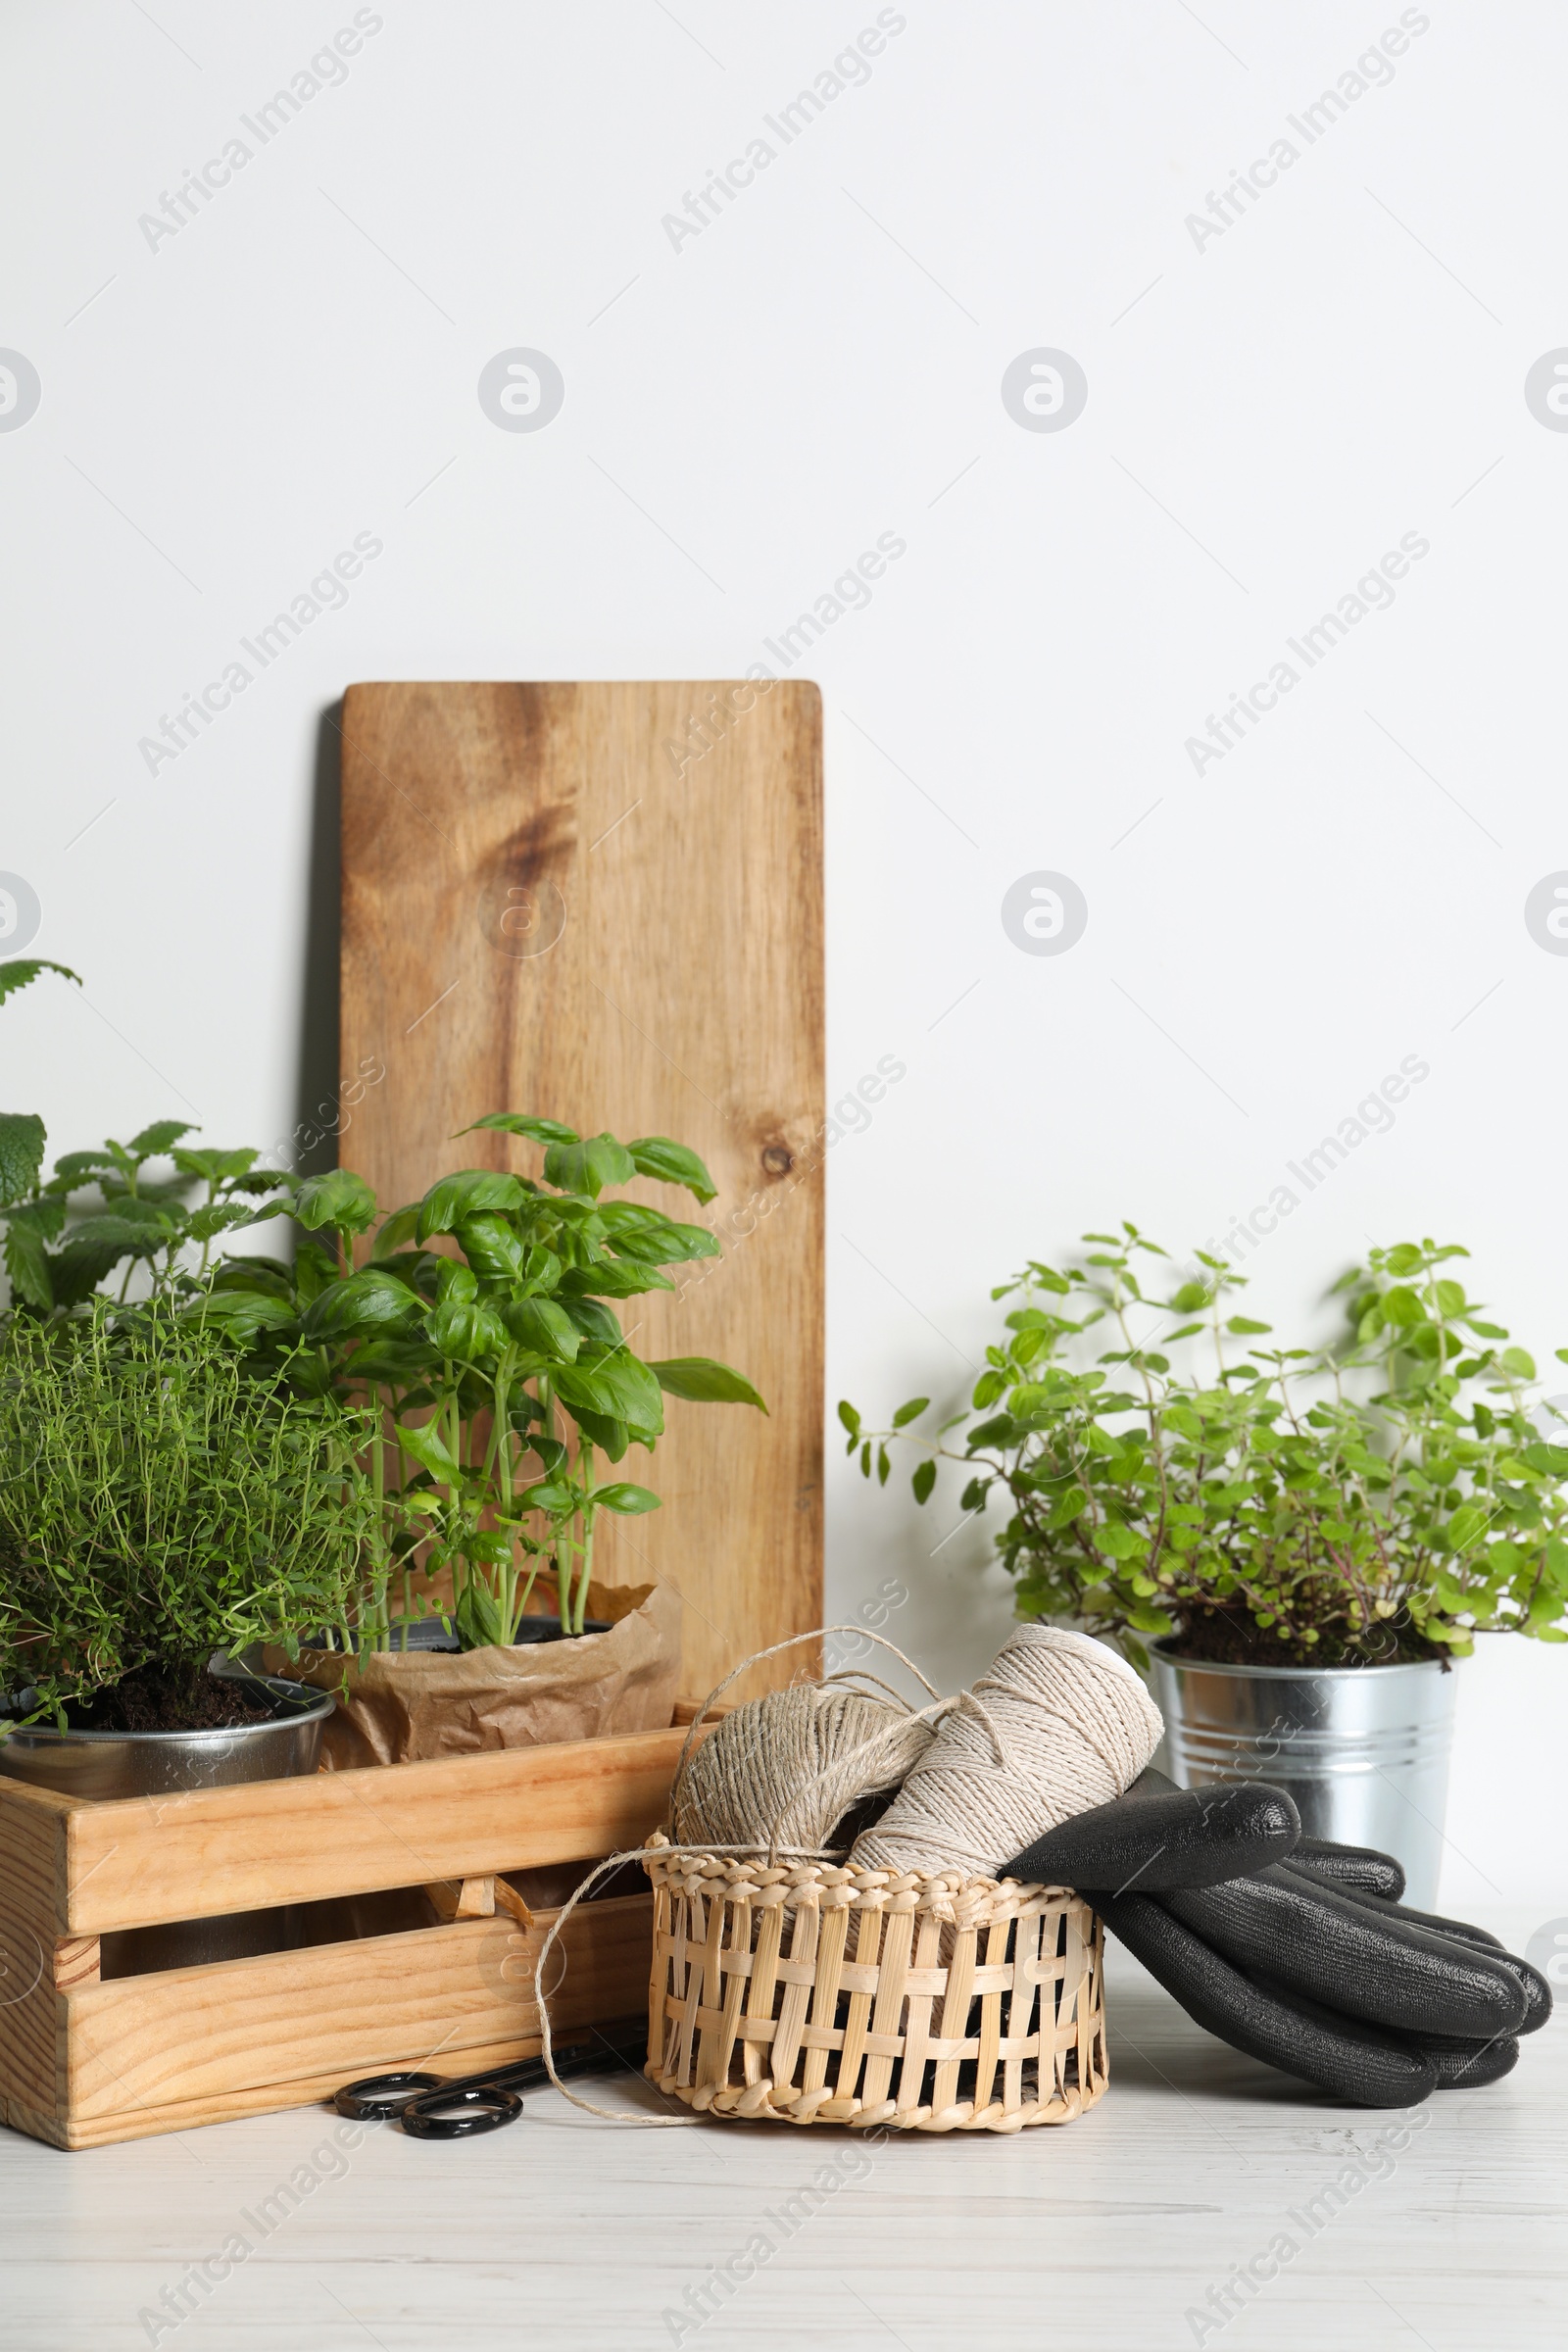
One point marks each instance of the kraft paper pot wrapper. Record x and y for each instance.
(401, 1708)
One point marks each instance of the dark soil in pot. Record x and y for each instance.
(1231, 1637)
(170, 1695)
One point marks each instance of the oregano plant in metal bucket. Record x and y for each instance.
(1390, 1497)
(1303, 1513)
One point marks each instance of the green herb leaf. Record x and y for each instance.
(449, 1204)
(154, 1142)
(910, 1411)
(431, 1450)
(587, 1167)
(219, 1217)
(999, 1430)
(545, 1326)
(23, 969)
(244, 1314)
(648, 1238)
(703, 1381)
(365, 1305)
(466, 1331)
(1189, 1298)
(512, 1122)
(671, 1163)
(22, 1142)
(610, 1436)
(592, 1318)
(612, 1278)
(27, 1261)
(339, 1200)
(549, 1494)
(612, 1382)
(622, 1495)
(491, 1248)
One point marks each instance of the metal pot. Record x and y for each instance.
(106, 1765)
(117, 1764)
(1363, 1750)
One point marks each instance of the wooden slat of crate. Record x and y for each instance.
(151, 2054)
(147, 1860)
(426, 1997)
(265, 2098)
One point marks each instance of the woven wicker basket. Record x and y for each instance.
(812, 1993)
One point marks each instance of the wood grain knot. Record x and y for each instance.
(779, 1159)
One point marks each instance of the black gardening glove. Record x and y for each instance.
(1293, 1949)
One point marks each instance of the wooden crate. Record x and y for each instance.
(85, 2059)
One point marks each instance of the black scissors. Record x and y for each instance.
(423, 2103)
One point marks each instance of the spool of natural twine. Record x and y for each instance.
(779, 1771)
(1058, 1724)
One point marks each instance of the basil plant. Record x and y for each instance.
(483, 1325)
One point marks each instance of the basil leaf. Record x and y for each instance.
(672, 1163)
(703, 1380)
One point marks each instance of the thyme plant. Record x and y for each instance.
(158, 1502)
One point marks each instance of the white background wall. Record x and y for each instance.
(1269, 410)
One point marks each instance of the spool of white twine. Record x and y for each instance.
(1059, 1723)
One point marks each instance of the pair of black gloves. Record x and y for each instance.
(1293, 1949)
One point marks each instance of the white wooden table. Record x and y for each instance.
(1107, 2235)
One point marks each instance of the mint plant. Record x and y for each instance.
(112, 1211)
(22, 1132)
(102, 1211)
(1393, 1495)
(482, 1327)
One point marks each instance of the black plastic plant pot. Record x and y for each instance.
(548, 1628)
(408, 1635)
(422, 1633)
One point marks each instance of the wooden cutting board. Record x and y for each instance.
(555, 901)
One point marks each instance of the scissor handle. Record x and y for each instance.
(490, 2106)
(374, 2098)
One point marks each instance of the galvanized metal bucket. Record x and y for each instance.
(106, 1765)
(1363, 1750)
